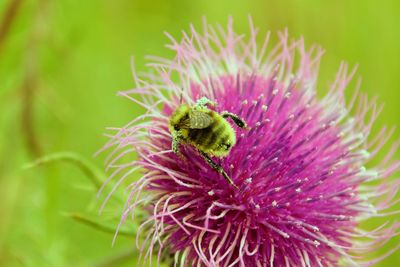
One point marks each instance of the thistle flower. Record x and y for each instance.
(301, 165)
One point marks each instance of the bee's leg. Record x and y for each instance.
(176, 140)
(175, 145)
(218, 168)
(203, 102)
(238, 121)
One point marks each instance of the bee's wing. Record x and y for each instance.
(199, 119)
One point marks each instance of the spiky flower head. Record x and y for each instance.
(300, 165)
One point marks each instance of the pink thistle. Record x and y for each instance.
(304, 187)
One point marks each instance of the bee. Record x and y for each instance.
(208, 131)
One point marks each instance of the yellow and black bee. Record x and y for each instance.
(206, 130)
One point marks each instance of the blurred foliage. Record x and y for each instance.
(61, 64)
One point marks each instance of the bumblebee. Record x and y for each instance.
(208, 131)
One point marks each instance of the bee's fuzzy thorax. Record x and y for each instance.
(299, 165)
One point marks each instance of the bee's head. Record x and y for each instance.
(180, 114)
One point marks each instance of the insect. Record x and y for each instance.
(208, 131)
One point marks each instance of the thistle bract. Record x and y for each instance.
(301, 166)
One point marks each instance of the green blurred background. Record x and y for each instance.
(62, 62)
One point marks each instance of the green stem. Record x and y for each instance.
(92, 172)
(104, 228)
